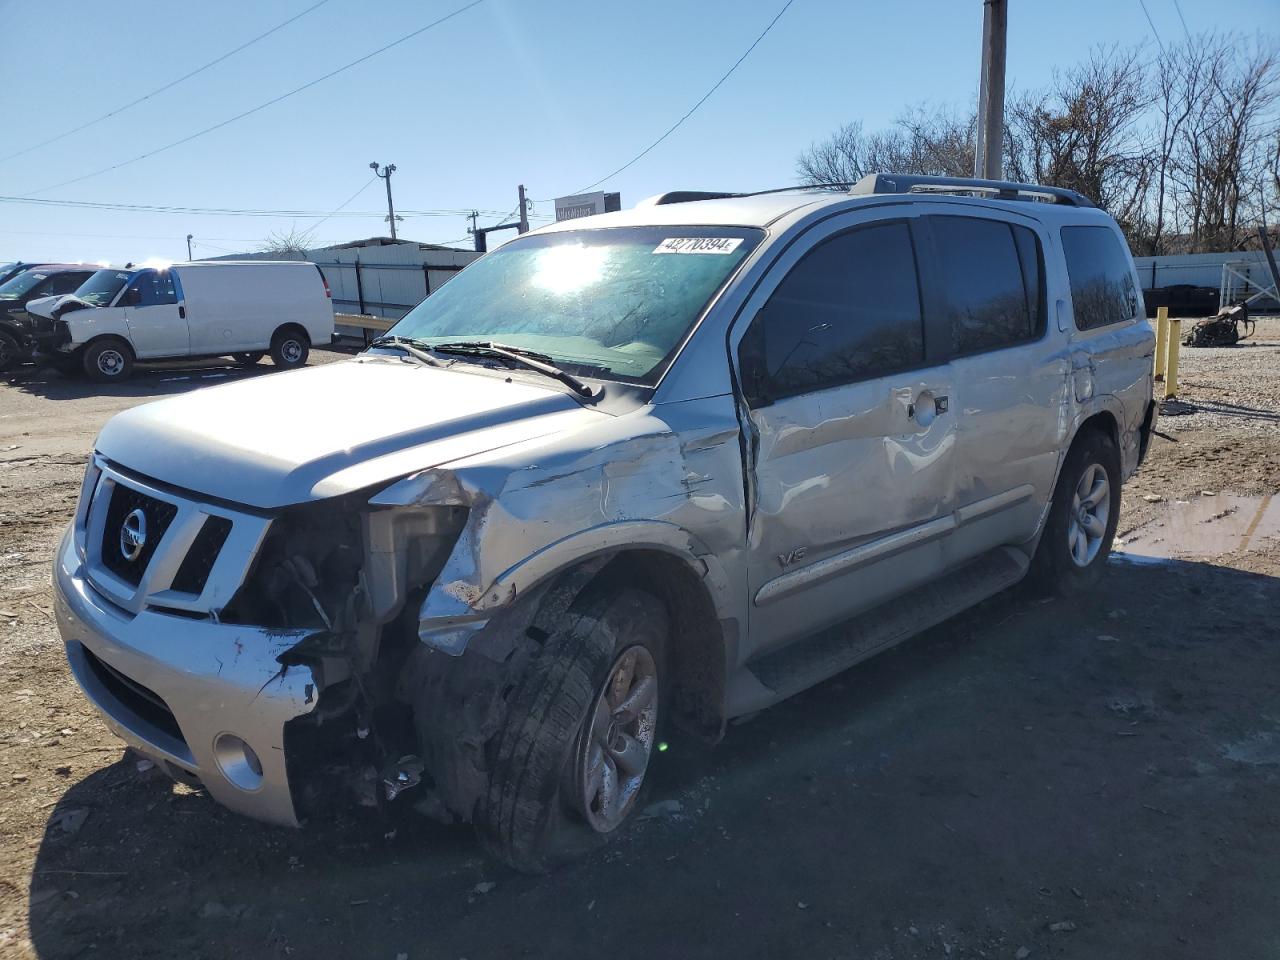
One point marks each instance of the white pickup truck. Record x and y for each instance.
(242, 309)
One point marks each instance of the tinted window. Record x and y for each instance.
(154, 287)
(989, 272)
(1102, 288)
(66, 282)
(849, 310)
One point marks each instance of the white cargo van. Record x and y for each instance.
(242, 309)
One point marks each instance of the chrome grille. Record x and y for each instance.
(194, 555)
(158, 515)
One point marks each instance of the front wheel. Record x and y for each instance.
(10, 352)
(290, 349)
(1082, 520)
(568, 766)
(109, 360)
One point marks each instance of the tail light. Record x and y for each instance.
(327, 293)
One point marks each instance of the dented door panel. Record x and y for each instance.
(836, 473)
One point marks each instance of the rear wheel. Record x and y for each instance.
(290, 348)
(248, 359)
(1082, 521)
(10, 352)
(568, 766)
(109, 360)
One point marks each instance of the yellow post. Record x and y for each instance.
(1162, 337)
(1171, 360)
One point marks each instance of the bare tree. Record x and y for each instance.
(1083, 132)
(922, 141)
(291, 244)
(1182, 148)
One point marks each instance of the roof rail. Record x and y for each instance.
(686, 196)
(874, 183)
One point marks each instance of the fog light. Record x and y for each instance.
(237, 761)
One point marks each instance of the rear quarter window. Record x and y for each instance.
(1102, 287)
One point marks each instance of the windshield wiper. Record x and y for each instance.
(526, 358)
(410, 346)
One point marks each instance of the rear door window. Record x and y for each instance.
(1102, 287)
(849, 310)
(989, 276)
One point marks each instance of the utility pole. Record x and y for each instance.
(188, 246)
(385, 174)
(524, 211)
(989, 149)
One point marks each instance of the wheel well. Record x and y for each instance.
(89, 344)
(1103, 422)
(695, 652)
(290, 327)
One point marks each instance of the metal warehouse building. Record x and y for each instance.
(380, 276)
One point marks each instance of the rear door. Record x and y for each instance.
(155, 315)
(1111, 343)
(1011, 377)
(849, 425)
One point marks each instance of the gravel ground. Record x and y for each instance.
(1032, 779)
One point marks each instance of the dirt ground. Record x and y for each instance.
(1091, 779)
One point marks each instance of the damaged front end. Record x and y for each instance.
(352, 575)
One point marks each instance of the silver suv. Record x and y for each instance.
(662, 466)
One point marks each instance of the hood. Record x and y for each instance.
(287, 438)
(43, 307)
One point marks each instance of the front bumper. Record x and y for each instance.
(172, 687)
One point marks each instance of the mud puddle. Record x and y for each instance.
(1203, 528)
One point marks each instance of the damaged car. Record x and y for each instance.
(651, 469)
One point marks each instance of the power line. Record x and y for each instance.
(167, 86)
(1152, 24)
(706, 96)
(268, 103)
(1177, 6)
(340, 207)
(222, 211)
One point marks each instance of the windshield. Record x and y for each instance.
(20, 284)
(614, 303)
(101, 288)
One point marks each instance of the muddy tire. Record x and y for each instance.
(248, 359)
(109, 360)
(1082, 521)
(290, 348)
(9, 352)
(538, 811)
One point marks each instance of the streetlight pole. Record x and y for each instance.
(189, 247)
(385, 174)
(990, 146)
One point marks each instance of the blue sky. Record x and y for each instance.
(551, 93)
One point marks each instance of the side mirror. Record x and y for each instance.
(132, 297)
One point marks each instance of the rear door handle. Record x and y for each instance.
(182, 312)
(926, 407)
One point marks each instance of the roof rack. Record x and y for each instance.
(686, 196)
(874, 183)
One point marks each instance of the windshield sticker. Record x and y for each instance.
(721, 245)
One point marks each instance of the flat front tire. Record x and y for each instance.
(568, 766)
(1082, 520)
(109, 360)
